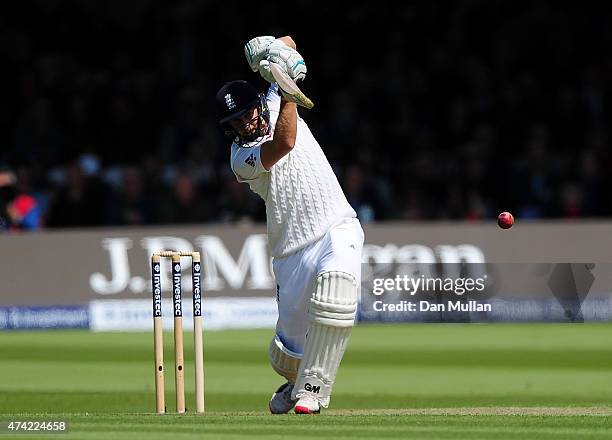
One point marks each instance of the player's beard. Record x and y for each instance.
(259, 128)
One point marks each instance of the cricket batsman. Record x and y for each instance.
(314, 236)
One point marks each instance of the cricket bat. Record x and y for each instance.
(289, 86)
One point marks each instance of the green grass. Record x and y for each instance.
(103, 383)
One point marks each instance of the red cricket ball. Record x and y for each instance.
(505, 220)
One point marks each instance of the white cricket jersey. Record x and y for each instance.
(302, 194)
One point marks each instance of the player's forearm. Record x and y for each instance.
(284, 137)
(286, 128)
(288, 41)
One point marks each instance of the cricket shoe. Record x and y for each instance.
(307, 404)
(281, 401)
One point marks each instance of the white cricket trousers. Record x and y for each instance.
(296, 276)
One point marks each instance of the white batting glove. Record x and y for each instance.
(256, 50)
(264, 71)
(288, 59)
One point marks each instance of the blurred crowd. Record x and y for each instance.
(426, 110)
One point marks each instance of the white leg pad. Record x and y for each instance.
(332, 315)
(283, 361)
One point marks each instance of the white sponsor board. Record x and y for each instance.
(251, 270)
(218, 314)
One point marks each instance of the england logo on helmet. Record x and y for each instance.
(234, 100)
(230, 102)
